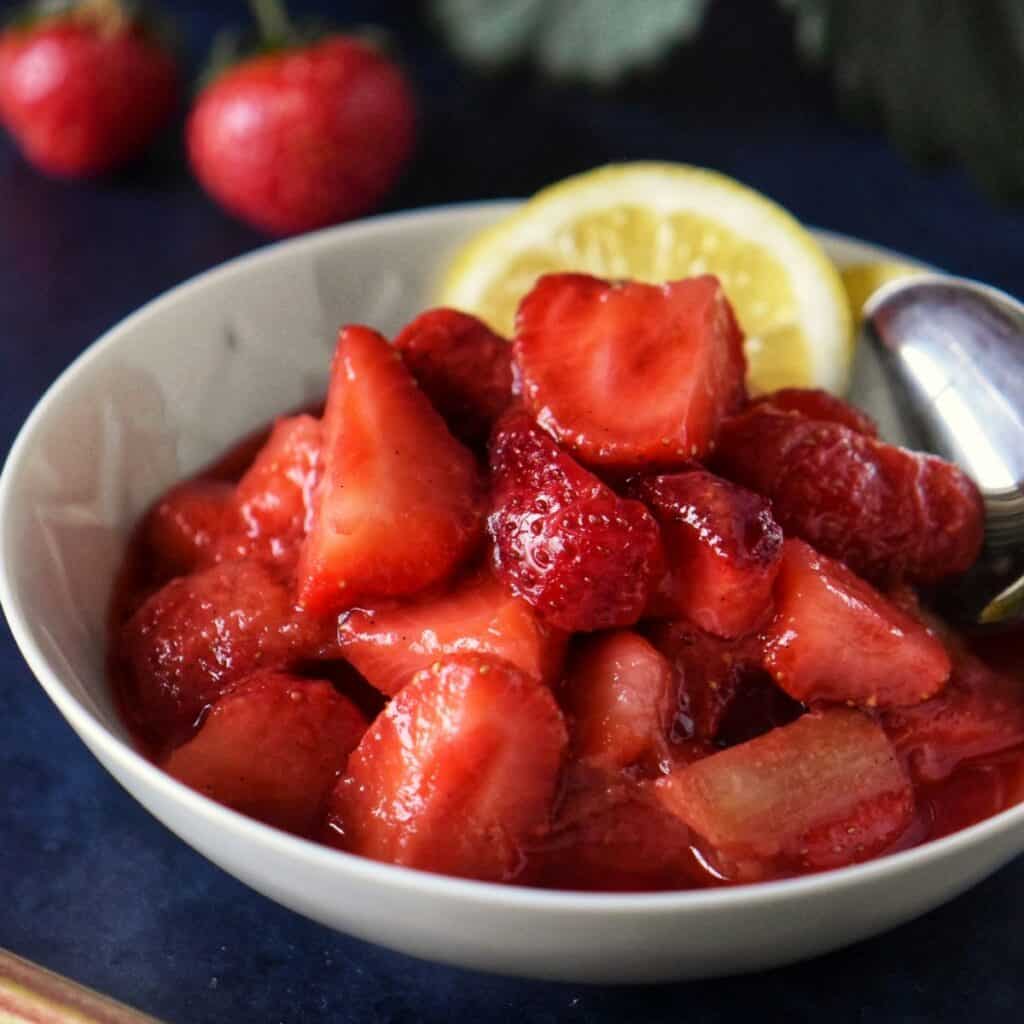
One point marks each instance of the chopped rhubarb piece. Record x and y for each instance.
(464, 368)
(886, 512)
(184, 528)
(582, 556)
(815, 404)
(722, 551)
(826, 791)
(390, 644)
(275, 496)
(457, 774)
(619, 696)
(273, 749)
(630, 375)
(835, 638)
(980, 712)
(399, 505)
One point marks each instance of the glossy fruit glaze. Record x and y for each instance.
(472, 617)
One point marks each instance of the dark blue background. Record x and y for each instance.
(93, 887)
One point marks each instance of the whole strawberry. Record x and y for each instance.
(84, 87)
(305, 134)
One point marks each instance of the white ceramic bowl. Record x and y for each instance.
(179, 381)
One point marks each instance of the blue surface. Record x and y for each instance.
(96, 889)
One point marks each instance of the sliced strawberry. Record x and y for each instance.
(183, 530)
(630, 375)
(275, 496)
(815, 404)
(835, 638)
(826, 791)
(457, 774)
(399, 504)
(611, 833)
(390, 644)
(464, 368)
(582, 556)
(273, 749)
(723, 693)
(722, 551)
(619, 696)
(980, 712)
(199, 635)
(886, 512)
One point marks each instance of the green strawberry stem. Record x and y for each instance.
(272, 18)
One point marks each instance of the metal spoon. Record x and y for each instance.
(953, 355)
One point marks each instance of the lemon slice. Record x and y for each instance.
(862, 280)
(657, 222)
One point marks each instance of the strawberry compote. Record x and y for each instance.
(618, 629)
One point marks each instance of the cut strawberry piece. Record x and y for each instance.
(183, 530)
(582, 556)
(815, 404)
(722, 551)
(980, 712)
(399, 504)
(619, 697)
(723, 693)
(273, 749)
(457, 774)
(275, 495)
(630, 375)
(464, 368)
(612, 834)
(886, 512)
(198, 636)
(826, 791)
(835, 638)
(390, 644)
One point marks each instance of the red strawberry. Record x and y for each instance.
(304, 136)
(980, 712)
(630, 375)
(815, 404)
(399, 503)
(722, 551)
(611, 833)
(390, 644)
(457, 774)
(619, 696)
(197, 637)
(464, 368)
(826, 791)
(835, 638)
(275, 496)
(85, 90)
(183, 530)
(723, 693)
(273, 749)
(886, 512)
(582, 556)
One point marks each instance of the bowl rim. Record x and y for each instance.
(413, 881)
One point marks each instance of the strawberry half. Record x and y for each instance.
(273, 749)
(618, 694)
(835, 638)
(457, 773)
(464, 368)
(722, 551)
(630, 375)
(184, 529)
(826, 791)
(399, 503)
(815, 404)
(390, 644)
(582, 556)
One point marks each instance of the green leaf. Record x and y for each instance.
(945, 78)
(596, 41)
